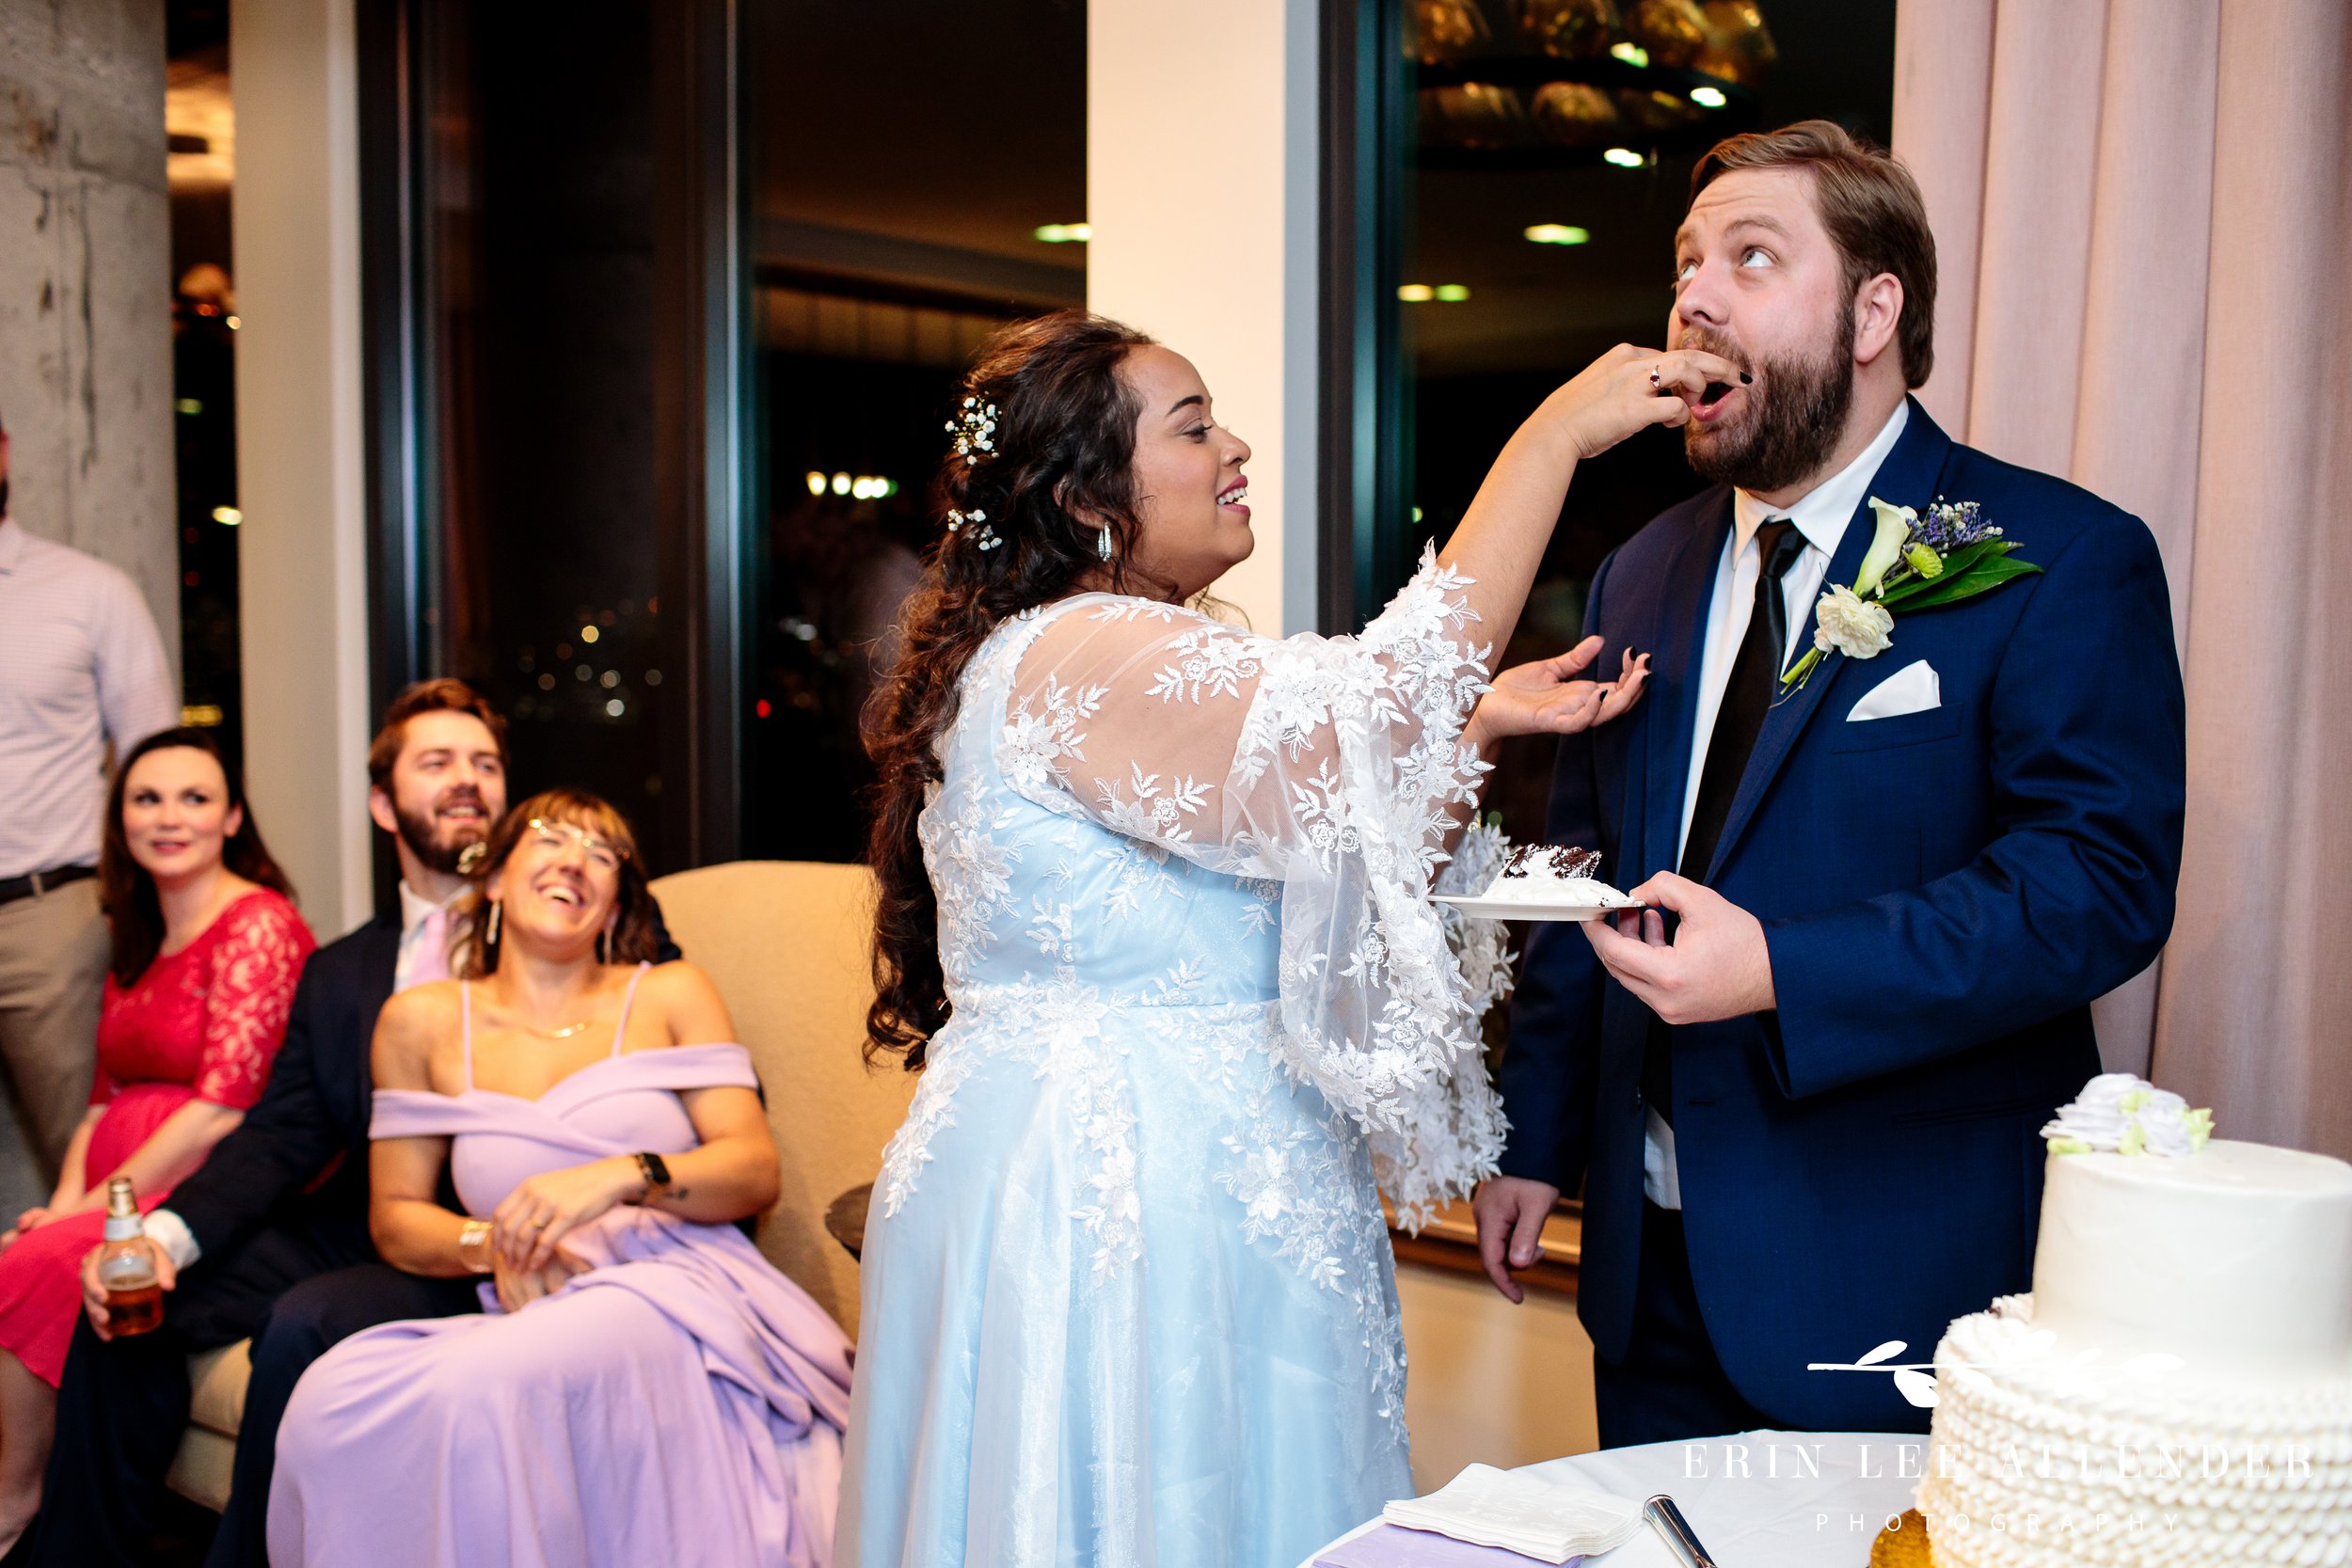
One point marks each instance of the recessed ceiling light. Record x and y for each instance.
(1709, 97)
(1557, 233)
(1631, 54)
(1415, 293)
(1452, 293)
(1065, 233)
(1623, 157)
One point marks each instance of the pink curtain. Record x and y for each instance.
(2145, 236)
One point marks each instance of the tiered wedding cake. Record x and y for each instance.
(2178, 1387)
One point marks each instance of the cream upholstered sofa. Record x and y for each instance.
(786, 943)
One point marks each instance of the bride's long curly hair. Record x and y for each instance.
(1060, 470)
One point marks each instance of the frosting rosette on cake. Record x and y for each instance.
(2119, 1112)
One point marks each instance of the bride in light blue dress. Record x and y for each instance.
(1155, 925)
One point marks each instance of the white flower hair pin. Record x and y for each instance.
(1914, 563)
(985, 539)
(974, 430)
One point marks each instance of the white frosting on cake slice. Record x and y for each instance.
(2236, 1258)
(1554, 874)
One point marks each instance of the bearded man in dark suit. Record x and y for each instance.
(1806, 1123)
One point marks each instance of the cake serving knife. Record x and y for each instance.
(1667, 1520)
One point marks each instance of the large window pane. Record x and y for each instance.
(897, 187)
(553, 572)
(1544, 170)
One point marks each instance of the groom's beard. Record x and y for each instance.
(1790, 431)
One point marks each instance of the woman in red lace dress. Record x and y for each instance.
(207, 947)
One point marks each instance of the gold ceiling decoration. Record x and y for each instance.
(1553, 81)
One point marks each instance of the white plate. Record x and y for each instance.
(1508, 909)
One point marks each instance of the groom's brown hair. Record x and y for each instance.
(1870, 204)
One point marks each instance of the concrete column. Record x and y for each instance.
(1203, 134)
(302, 556)
(86, 286)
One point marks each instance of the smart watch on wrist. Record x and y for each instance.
(656, 1172)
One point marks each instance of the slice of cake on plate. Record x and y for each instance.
(1546, 881)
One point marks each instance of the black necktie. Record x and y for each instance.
(1747, 697)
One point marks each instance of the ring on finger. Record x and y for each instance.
(1655, 377)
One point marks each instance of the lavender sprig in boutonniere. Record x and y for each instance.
(1915, 562)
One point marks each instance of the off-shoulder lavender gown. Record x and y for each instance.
(680, 1404)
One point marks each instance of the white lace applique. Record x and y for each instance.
(1042, 736)
(1178, 986)
(1265, 910)
(1211, 660)
(1056, 1029)
(1132, 609)
(1300, 1191)
(1158, 811)
(931, 1113)
(1481, 947)
(1060, 1026)
(1138, 876)
(971, 866)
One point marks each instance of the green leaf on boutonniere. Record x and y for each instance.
(1956, 566)
(1985, 575)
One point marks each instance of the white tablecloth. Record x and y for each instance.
(1756, 1499)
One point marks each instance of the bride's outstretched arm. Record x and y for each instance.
(1503, 537)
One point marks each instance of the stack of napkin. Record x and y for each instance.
(1551, 1521)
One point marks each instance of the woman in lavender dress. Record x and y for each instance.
(643, 1387)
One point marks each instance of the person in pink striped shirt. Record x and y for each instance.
(81, 670)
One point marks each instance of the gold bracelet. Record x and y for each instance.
(476, 1234)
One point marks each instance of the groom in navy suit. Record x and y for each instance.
(1805, 1114)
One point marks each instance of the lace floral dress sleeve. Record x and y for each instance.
(255, 965)
(1334, 765)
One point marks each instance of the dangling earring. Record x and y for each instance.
(1102, 542)
(493, 939)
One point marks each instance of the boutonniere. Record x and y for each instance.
(1915, 562)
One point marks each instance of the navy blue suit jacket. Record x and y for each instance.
(1943, 892)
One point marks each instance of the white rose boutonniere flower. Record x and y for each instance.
(1852, 626)
(1915, 562)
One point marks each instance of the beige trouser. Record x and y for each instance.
(52, 968)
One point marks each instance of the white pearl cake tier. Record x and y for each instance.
(2041, 1459)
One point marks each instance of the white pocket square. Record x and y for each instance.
(1912, 689)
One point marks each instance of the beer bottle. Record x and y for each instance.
(126, 1265)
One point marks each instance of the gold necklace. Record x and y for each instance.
(564, 1034)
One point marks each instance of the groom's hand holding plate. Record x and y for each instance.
(1718, 965)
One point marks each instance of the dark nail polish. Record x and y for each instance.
(1746, 380)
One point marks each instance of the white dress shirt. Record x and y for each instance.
(81, 665)
(168, 1230)
(1820, 516)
